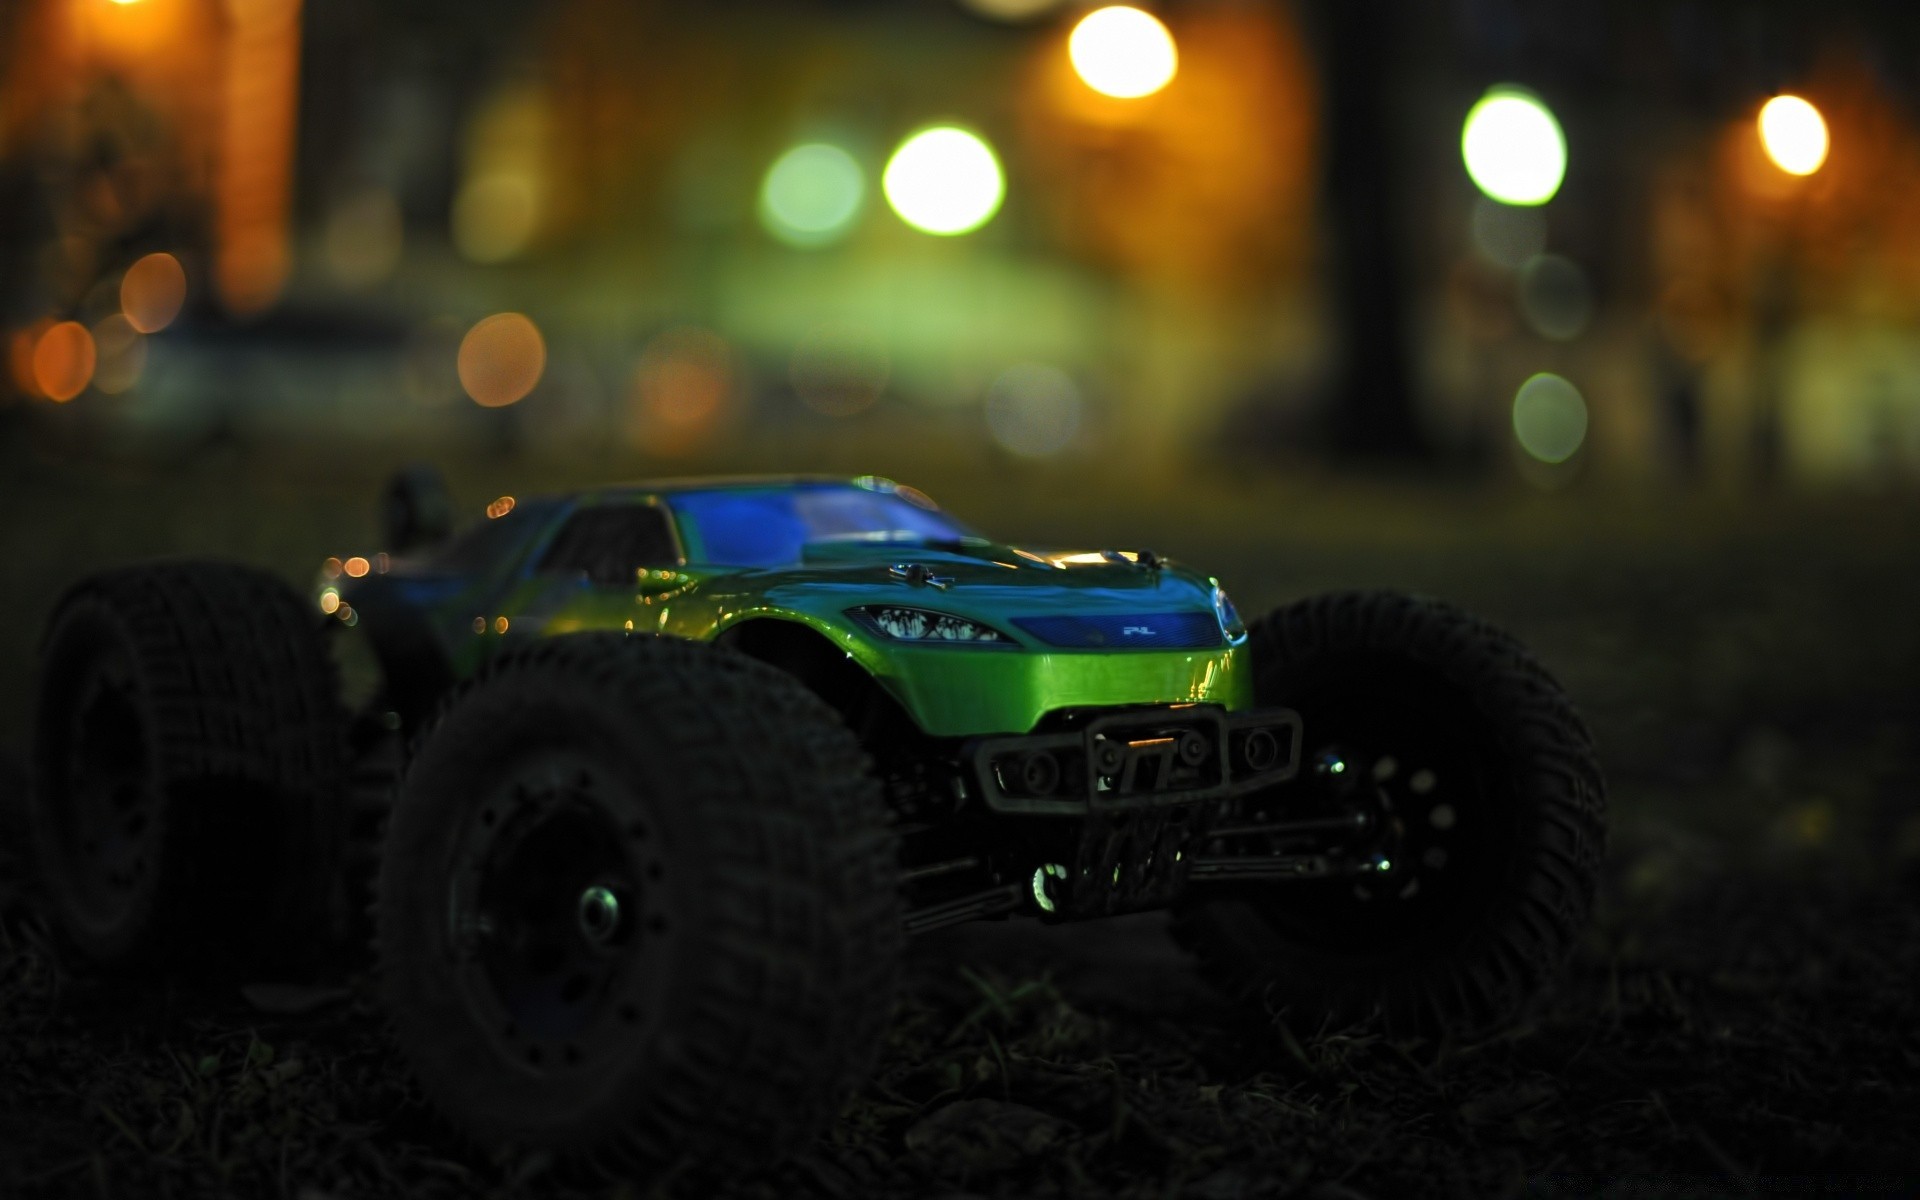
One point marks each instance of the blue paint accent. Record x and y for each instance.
(771, 527)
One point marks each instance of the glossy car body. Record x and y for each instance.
(1142, 631)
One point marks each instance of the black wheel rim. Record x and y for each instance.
(1411, 752)
(558, 915)
(108, 817)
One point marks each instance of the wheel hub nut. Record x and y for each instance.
(1193, 748)
(1260, 750)
(1040, 773)
(600, 914)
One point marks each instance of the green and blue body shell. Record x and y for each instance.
(971, 636)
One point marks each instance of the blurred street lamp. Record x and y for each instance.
(501, 359)
(152, 291)
(1513, 148)
(63, 361)
(1123, 52)
(1794, 135)
(811, 195)
(1549, 418)
(944, 181)
(1011, 11)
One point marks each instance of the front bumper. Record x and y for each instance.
(961, 691)
(1149, 758)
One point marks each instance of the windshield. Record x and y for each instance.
(769, 527)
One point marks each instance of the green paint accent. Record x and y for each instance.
(986, 692)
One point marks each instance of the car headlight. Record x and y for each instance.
(925, 625)
(1230, 622)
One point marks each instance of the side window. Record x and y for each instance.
(610, 542)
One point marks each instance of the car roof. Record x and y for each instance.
(707, 483)
(635, 489)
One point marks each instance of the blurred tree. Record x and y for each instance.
(1372, 413)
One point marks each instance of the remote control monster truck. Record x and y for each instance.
(687, 761)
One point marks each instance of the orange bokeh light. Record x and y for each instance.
(501, 359)
(152, 291)
(63, 361)
(357, 566)
(20, 355)
(682, 389)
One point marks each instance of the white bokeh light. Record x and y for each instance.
(1794, 135)
(1123, 52)
(1513, 148)
(1549, 418)
(944, 181)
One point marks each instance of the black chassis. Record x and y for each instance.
(1118, 811)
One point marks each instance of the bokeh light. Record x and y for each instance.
(1033, 410)
(364, 236)
(63, 361)
(1513, 148)
(501, 359)
(120, 353)
(944, 181)
(495, 217)
(840, 369)
(1555, 297)
(1549, 418)
(20, 347)
(1123, 52)
(1507, 236)
(1794, 135)
(683, 390)
(152, 291)
(1012, 11)
(812, 195)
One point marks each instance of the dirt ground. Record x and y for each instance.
(1741, 1018)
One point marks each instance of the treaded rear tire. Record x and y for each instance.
(759, 847)
(188, 756)
(1541, 802)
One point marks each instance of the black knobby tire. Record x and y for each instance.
(1486, 777)
(721, 1017)
(188, 758)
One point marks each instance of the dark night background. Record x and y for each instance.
(255, 255)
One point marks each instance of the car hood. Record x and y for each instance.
(1064, 598)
